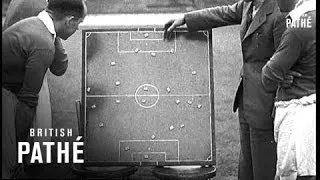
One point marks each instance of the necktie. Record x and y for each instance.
(249, 16)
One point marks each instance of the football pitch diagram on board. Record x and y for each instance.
(148, 101)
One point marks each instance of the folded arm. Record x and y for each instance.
(277, 69)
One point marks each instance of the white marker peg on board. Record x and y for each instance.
(189, 102)
(168, 90)
(194, 72)
(88, 89)
(182, 125)
(153, 137)
(136, 50)
(117, 83)
(171, 128)
(117, 101)
(153, 54)
(199, 106)
(177, 101)
(146, 35)
(113, 63)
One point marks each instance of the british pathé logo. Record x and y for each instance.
(24, 148)
(303, 22)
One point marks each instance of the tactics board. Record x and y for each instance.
(147, 101)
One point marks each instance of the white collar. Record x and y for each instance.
(256, 9)
(46, 19)
(302, 9)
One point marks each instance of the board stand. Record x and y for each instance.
(84, 172)
(184, 172)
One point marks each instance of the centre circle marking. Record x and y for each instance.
(142, 90)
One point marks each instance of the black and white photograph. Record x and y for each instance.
(159, 89)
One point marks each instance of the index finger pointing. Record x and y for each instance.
(294, 73)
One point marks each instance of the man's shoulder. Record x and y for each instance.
(31, 31)
(26, 8)
(21, 9)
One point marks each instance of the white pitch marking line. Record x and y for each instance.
(125, 32)
(118, 39)
(208, 45)
(136, 95)
(118, 34)
(146, 39)
(134, 153)
(115, 32)
(175, 41)
(136, 39)
(147, 152)
(205, 33)
(131, 39)
(159, 140)
(151, 95)
(88, 34)
(141, 51)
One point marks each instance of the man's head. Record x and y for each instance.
(67, 15)
(299, 2)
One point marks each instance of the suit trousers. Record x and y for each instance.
(9, 146)
(258, 152)
(17, 118)
(42, 120)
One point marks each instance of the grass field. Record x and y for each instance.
(227, 64)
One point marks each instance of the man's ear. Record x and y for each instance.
(68, 20)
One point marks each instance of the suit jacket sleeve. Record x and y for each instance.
(279, 27)
(35, 68)
(282, 60)
(214, 17)
(60, 62)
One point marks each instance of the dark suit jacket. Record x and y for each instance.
(21, 9)
(258, 43)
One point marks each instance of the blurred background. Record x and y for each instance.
(65, 90)
(143, 6)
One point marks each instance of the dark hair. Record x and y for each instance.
(62, 8)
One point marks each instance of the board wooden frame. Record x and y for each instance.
(209, 162)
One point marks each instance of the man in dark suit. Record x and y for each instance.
(262, 25)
